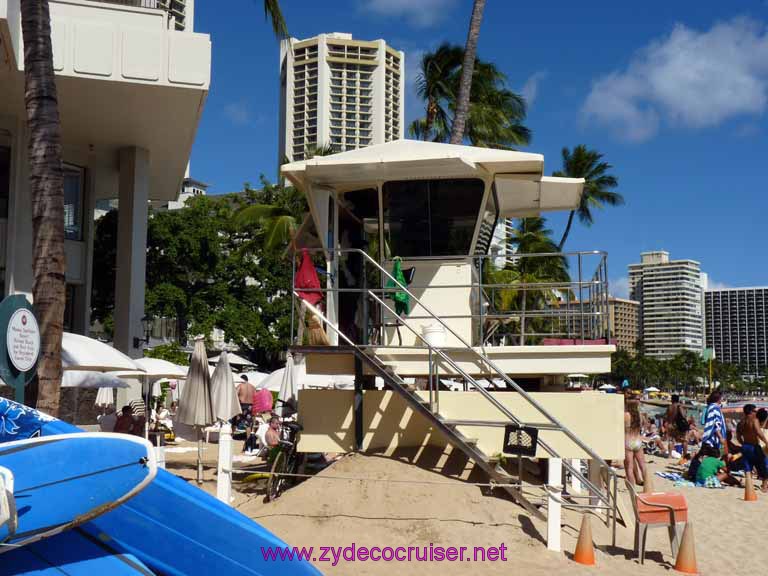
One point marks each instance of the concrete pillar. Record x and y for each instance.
(554, 507)
(131, 249)
(18, 263)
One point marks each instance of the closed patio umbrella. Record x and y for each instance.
(225, 406)
(195, 407)
(289, 386)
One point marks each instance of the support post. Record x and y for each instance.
(131, 249)
(575, 482)
(224, 471)
(554, 508)
(358, 403)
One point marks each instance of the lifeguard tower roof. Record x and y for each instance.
(521, 186)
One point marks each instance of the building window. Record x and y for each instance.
(5, 180)
(74, 185)
(431, 217)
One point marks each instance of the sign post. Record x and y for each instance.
(19, 343)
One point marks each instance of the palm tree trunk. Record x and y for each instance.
(566, 232)
(46, 186)
(467, 69)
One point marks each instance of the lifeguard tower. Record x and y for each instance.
(425, 293)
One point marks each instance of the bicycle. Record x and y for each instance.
(287, 460)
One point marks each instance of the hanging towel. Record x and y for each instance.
(401, 298)
(306, 279)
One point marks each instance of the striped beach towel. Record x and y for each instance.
(714, 423)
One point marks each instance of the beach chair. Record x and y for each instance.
(657, 510)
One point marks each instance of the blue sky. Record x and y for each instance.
(673, 93)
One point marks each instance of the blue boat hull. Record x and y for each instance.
(173, 527)
(72, 553)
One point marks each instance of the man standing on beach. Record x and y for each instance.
(750, 433)
(245, 391)
(714, 427)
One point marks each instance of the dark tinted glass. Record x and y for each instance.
(431, 217)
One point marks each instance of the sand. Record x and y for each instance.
(449, 512)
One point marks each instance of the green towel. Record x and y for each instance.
(401, 298)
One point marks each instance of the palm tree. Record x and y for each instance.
(467, 69)
(273, 13)
(434, 84)
(495, 113)
(530, 236)
(588, 164)
(46, 183)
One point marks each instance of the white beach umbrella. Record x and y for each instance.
(234, 360)
(607, 387)
(288, 386)
(223, 397)
(105, 397)
(89, 379)
(83, 353)
(651, 389)
(195, 403)
(225, 407)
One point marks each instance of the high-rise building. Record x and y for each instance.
(625, 323)
(736, 321)
(338, 93)
(670, 293)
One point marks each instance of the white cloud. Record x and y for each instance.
(239, 113)
(715, 285)
(691, 78)
(419, 13)
(619, 287)
(530, 89)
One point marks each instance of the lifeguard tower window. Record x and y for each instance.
(431, 217)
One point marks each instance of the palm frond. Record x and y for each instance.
(273, 13)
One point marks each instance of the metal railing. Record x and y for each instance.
(608, 499)
(534, 299)
(175, 9)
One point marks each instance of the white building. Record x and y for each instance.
(190, 188)
(339, 92)
(670, 293)
(131, 88)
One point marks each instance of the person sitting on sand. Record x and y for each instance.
(677, 426)
(712, 471)
(273, 434)
(652, 438)
(750, 433)
(633, 443)
(694, 434)
(124, 423)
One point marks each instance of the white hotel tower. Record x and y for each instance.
(340, 92)
(670, 293)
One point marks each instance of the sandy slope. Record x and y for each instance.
(326, 512)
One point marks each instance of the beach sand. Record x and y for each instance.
(449, 512)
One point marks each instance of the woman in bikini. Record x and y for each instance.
(633, 442)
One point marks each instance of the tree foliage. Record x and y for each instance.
(685, 371)
(583, 162)
(209, 269)
(496, 114)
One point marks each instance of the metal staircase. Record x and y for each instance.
(601, 498)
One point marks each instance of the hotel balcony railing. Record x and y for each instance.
(513, 300)
(174, 8)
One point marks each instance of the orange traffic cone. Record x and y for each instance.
(749, 489)
(585, 549)
(648, 483)
(686, 555)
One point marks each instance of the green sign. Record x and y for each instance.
(708, 354)
(19, 343)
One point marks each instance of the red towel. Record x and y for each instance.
(306, 278)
